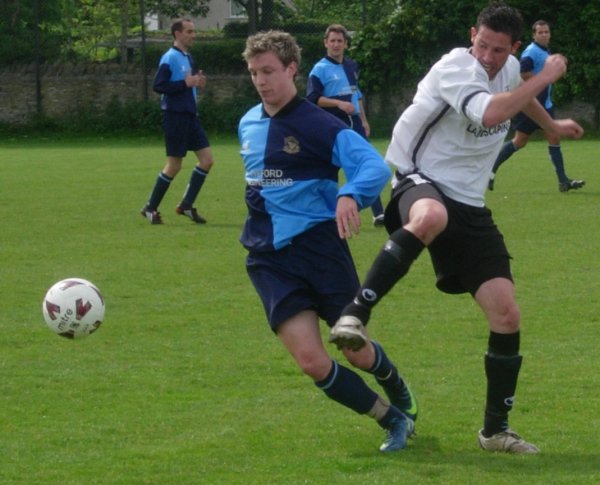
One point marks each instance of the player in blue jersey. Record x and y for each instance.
(296, 230)
(178, 80)
(333, 85)
(532, 62)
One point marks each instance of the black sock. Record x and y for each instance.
(391, 264)
(502, 365)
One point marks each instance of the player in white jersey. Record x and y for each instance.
(442, 135)
(443, 148)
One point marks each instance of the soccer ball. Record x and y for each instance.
(73, 308)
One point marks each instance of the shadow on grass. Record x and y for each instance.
(426, 451)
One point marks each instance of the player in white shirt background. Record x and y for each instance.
(443, 148)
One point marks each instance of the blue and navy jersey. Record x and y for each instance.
(331, 79)
(292, 161)
(532, 60)
(169, 81)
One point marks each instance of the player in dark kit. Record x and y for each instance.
(296, 230)
(177, 80)
(333, 85)
(532, 62)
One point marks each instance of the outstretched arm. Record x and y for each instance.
(504, 106)
(564, 128)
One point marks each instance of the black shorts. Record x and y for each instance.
(526, 125)
(469, 252)
(315, 272)
(183, 133)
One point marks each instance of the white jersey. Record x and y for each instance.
(441, 133)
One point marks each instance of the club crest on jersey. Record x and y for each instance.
(291, 146)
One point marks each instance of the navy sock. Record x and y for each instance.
(505, 153)
(193, 188)
(377, 207)
(387, 376)
(162, 184)
(557, 160)
(383, 368)
(348, 388)
(386, 421)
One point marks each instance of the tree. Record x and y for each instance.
(263, 14)
(98, 28)
(397, 51)
(352, 15)
(176, 8)
(252, 10)
(19, 29)
(124, 31)
(407, 42)
(575, 28)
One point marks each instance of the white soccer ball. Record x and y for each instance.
(73, 308)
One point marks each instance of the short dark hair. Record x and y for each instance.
(177, 26)
(500, 17)
(339, 28)
(538, 23)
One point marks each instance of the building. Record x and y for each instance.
(221, 12)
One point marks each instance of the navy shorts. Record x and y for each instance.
(315, 272)
(526, 125)
(469, 252)
(183, 133)
(356, 124)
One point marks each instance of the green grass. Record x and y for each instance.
(184, 382)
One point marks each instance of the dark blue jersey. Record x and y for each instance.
(169, 81)
(335, 80)
(532, 60)
(292, 162)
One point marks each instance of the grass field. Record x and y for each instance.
(184, 382)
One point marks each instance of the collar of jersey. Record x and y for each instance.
(295, 101)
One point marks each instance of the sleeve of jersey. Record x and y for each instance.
(526, 64)
(365, 170)
(163, 84)
(314, 89)
(464, 86)
(359, 94)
